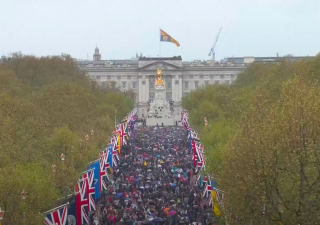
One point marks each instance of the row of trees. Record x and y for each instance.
(47, 107)
(262, 142)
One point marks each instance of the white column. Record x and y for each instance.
(146, 94)
(174, 89)
(180, 90)
(140, 86)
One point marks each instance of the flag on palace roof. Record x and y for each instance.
(167, 38)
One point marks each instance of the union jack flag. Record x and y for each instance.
(57, 217)
(82, 202)
(115, 153)
(207, 189)
(103, 170)
(198, 154)
(104, 157)
(123, 134)
(116, 130)
(194, 135)
(89, 177)
(114, 142)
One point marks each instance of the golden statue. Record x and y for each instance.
(159, 81)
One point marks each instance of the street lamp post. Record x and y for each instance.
(24, 196)
(1, 214)
(54, 168)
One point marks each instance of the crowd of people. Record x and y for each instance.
(154, 182)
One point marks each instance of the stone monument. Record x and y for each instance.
(160, 112)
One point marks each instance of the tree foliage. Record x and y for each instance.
(47, 106)
(264, 145)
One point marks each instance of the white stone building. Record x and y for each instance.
(139, 75)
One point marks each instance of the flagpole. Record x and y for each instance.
(88, 170)
(56, 208)
(94, 161)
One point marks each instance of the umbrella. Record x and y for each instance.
(157, 219)
(173, 212)
(119, 195)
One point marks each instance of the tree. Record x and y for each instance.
(47, 106)
(271, 169)
(263, 145)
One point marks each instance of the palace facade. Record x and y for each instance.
(140, 73)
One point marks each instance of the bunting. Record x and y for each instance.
(209, 187)
(94, 180)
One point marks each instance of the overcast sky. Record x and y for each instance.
(121, 28)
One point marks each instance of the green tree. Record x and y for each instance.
(47, 107)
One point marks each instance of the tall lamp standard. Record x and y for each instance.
(1, 214)
(24, 196)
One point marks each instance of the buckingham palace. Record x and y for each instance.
(139, 75)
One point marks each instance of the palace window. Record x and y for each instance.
(151, 98)
(134, 84)
(151, 85)
(169, 84)
(196, 84)
(124, 85)
(206, 83)
(186, 85)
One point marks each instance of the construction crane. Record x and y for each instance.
(212, 53)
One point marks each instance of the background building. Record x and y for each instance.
(139, 74)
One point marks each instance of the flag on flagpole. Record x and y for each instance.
(96, 177)
(167, 38)
(110, 158)
(57, 216)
